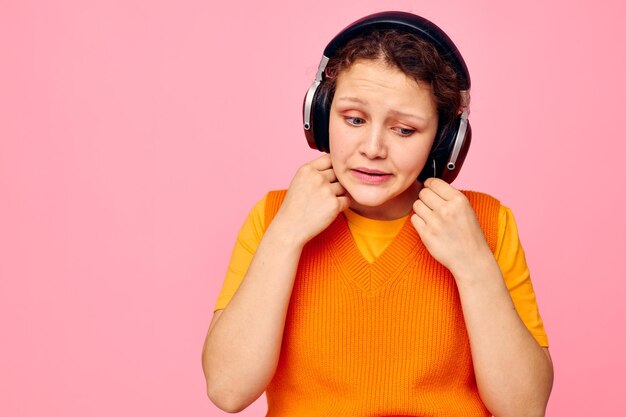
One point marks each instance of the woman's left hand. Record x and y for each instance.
(447, 224)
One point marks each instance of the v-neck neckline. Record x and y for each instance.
(371, 277)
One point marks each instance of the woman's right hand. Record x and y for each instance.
(242, 349)
(313, 200)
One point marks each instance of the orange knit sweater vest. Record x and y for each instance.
(380, 339)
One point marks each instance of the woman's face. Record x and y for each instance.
(382, 127)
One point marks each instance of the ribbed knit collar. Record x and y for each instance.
(371, 277)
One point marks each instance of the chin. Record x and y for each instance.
(371, 199)
(370, 196)
(391, 200)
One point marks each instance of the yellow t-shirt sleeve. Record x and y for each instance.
(512, 261)
(248, 241)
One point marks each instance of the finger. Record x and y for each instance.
(344, 202)
(423, 211)
(329, 175)
(418, 223)
(441, 188)
(322, 163)
(430, 198)
(337, 188)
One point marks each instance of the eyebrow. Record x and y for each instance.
(354, 99)
(393, 112)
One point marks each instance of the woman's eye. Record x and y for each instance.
(355, 121)
(402, 131)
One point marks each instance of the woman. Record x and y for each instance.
(371, 286)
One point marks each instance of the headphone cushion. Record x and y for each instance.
(320, 115)
(447, 139)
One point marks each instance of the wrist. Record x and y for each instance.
(284, 235)
(475, 269)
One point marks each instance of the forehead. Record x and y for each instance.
(375, 81)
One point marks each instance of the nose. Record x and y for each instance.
(373, 145)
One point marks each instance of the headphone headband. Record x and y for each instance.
(417, 25)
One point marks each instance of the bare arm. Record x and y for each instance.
(513, 373)
(242, 347)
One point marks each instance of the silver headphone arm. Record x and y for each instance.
(308, 101)
(458, 141)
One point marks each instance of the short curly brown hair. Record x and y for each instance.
(413, 56)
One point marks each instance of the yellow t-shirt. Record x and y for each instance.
(373, 236)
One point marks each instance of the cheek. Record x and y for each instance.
(337, 157)
(417, 156)
(337, 142)
(334, 130)
(413, 161)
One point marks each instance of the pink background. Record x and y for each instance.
(135, 136)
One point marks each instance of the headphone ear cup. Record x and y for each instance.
(441, 149)
(317, 133)
(446, 139)
(428, 171)
(321, 117)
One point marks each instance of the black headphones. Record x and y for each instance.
(451, 142)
